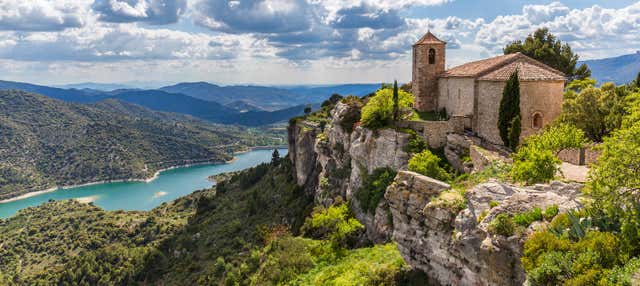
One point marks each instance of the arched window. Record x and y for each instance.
(432, 56)
(537, 120)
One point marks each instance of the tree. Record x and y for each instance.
(597, 111)
(509, 110)
(636, 83)
(536, 160)
(546, 48)
(396, 107)
(428, 164)
(275, 157)
(307, 110)
(514, 131)
(378, 112)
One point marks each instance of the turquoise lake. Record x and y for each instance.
(168, 186)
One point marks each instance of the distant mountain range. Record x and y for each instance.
(620, 70)
(245, 105)
(47, 142)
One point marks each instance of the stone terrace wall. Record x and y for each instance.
(434, 132)
(581, 157)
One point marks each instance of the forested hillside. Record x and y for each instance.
(241, 232)
(47, 142)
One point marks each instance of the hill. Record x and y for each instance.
(620, 70)
(46, 142)
(265, 98)
(167, 102)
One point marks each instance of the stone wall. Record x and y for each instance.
(425, 76)
(456, 95)
(581, 157)
(544, 97)
(434, 132)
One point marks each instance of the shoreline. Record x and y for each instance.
(147, 180)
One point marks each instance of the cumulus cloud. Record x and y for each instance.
(589, 31)
(254, 16)
(121, 42)
(41, 15)
(151, 11)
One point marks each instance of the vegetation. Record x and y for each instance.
(428, 164)
(509, 112)
(600, 244)
(335, 224)
(536, 161)
(546, 48)
(373, 188)
(502, 224)
(596, 111)
(51, 143)
(378, 111)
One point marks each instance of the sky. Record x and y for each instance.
(283, 42)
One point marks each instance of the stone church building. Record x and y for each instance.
(472, 91)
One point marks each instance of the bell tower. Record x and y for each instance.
(428, 63)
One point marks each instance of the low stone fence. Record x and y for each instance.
(434, 132)
(581, 157)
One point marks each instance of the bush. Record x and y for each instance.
(534, 166)
(335, 224)
(428, 164)
(502, 224)
(550, 212)
(416, 143)
(378, 112)
(525, 219)
(373, 188)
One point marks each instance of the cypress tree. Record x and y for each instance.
(396, 105)
(509, 110)
(514, 132)
(638, 80)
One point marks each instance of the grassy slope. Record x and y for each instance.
(46, 142)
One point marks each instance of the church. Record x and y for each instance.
(472, 91)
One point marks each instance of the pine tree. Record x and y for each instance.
(396, 106)
(638, 80)
(509, 109)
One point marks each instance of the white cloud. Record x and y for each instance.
(42, 15)
(592, 32)
(151, 11)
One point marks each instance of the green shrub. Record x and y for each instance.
(502, 224)
(532, 166)
(550, 212)
(493, 204)
(525, 219)
(335, 224)
(378, 112)
(416, 143)
(374, 187)
(428, 164)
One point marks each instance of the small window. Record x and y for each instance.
(537, 120)
(432, 56)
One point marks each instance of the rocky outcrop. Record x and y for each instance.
(333, 161)
(454, 247)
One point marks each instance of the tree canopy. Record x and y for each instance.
(378, 112)
(548, 49)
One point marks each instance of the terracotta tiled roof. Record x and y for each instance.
(526, 71)
(501, 67)
(429, 38)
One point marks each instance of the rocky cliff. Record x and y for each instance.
(443, 232)
(455, 247)
(332, 162)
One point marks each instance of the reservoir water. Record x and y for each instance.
(168, 186)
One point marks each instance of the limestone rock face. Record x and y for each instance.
(455, 248)
(332, 164)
